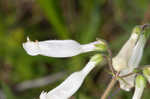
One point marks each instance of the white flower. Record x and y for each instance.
(120, 61)
(59, 48)
(68, 87)
(139, 87)
(133, 63)
(130, 56)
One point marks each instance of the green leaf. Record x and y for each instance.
(52, 12)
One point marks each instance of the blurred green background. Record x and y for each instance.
(81, 20)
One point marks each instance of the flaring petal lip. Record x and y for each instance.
(31, 48)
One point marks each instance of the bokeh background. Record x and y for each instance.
(24, 77)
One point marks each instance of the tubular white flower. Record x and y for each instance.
(134, 60)
(120, 61)
(139, 87)
(133, 63)
(58, 48)
(68, 87)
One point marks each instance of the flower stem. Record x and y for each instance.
(110, 86)
(110, 59)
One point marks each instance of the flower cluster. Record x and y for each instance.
(66, 48)
(128, 59)
(124, 63)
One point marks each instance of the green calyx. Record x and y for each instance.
(100, 47)
(137, 29)
(140, 81)
(142, 29)
(146, 32)
(97, 58)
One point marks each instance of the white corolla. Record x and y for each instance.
(68, 87)
(60, 48)
(120, 61)
(66, 48)
(130, 56)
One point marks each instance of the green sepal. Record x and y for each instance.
(100, 47)
(140, 81)
(137, 29)
(97, 58)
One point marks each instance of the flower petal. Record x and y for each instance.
(128, 82)
(120, 61)
(133, 63)
(58, 48)
(68, 87)
(137, 53)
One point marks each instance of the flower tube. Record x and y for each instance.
(139, 87)
(59, 48)
(69, 86)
